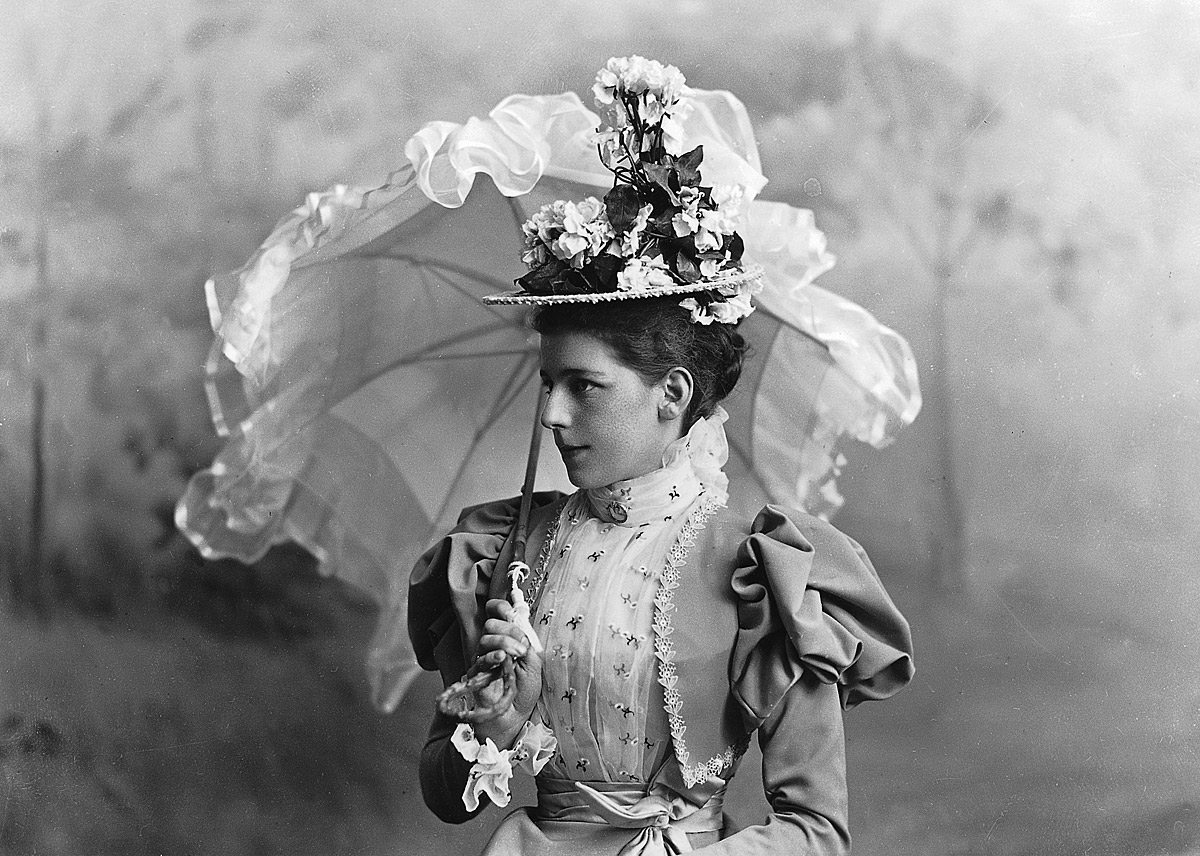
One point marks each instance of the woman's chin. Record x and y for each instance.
(579, 472)
(582, 480)
(587, 478)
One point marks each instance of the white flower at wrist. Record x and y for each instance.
(492, 767)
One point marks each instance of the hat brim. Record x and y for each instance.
(524, 298)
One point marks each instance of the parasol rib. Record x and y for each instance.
(427, 354)
(428, 264)
(441, 268)
(508, 394)
(428, 351)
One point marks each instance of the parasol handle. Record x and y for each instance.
(458, 700)
(517, 569)
(531, 463)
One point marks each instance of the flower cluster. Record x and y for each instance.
(728, 305)
(572, 232)
(633, 90)
(659, 226)
(492, 767)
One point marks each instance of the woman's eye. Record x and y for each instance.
(579, 385)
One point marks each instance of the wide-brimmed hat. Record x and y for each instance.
(659, 231)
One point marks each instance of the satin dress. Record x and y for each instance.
(633, 773)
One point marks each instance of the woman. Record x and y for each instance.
(665, 630)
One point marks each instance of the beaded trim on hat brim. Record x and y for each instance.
(749, 274)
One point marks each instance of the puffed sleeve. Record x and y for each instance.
(449, 585)
(803, 776)
(448, 590)
(810, 602)
(816, 632)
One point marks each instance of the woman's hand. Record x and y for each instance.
(502, 639)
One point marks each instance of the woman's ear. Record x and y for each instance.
(677, 394)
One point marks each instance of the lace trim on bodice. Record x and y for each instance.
(674, 501)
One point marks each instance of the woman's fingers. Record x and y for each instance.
(501, 627)
(500, 608)
(501, 622)
(493, 658)
(503, 639)
(492, 643)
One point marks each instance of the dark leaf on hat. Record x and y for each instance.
(601, 273)
(572, 282)
(669, 244)
(687, 244)
(622, 204)
(662, 199)
(659, 226)
(540, 280)
(686, 268)
(688, 166)
(734, 246)
(660, 175)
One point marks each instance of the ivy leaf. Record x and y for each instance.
(600, 273)
(687, 167)
(572, 282)
(661, 225)
(658, 197)
(660, 175)
(622, 204)
(541, 279)
(686, 268)
(734, 246)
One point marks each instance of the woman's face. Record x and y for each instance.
(608, 423)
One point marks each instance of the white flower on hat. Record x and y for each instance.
(640, 75)
(687, 219)
(672, 127)
(605, 87)
(727, 217)
(735, 305)
(699, 313)
(632, 240)
(660, 91)
(575, 232)
(666, 228)
(733, 309)
(641, 273)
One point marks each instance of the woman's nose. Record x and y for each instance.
(553, 412)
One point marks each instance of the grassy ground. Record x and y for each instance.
(1055, 716)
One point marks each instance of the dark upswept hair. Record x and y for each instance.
(652, 336)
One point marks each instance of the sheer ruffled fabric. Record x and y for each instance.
(515, 146)
(365, 395)
(525, 137)
(492, 767)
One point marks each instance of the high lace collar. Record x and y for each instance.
(691, 466)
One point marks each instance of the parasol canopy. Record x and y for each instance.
(366, 394)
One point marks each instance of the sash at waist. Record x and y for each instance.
(662, 815)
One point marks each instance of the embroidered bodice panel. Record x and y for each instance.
(595, 611)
